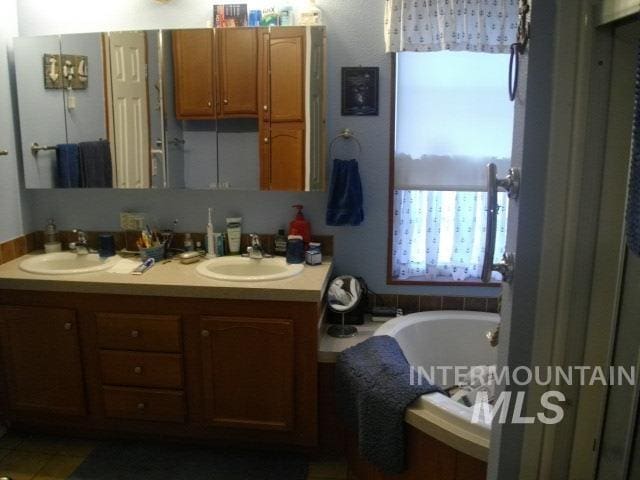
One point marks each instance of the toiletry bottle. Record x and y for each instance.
(280, 243)
(300, 226)
(52, 244)
(295, 249)
(188, 243)
(285, 15)
(309, 14)
(234, 233)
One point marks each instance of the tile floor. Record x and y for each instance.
(40, 457)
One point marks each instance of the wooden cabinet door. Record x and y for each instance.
(287, 166)
(287, 79)
(248, 372)
(238, 71)
(43, 366)
(193, 60)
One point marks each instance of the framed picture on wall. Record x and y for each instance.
(360, 90)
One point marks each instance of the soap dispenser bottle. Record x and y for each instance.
(300, 226)
(51, 244)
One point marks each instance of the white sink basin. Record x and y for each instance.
(66, 263)
(243, 269)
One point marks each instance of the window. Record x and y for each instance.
(452, 117)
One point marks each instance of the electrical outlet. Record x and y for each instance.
(132, 221)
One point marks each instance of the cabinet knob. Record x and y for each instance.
(135, 333)
(225, 101)
(141, 406)
(137, 370)
(205, 333)
(265, 108)
(67, 326)
(209, 104)
(4, 152)
(266, 139)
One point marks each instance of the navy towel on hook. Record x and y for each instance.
(345, 194)
(633, 203)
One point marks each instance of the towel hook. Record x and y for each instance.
(345, 134)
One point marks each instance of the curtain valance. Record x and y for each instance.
(488, 26)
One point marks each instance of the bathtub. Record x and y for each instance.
(446, 338)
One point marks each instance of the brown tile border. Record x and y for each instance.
(16, 247)
(127, 239)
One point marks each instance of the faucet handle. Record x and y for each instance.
(255, 240)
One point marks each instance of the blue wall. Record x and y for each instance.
(354, 38)
(11, 202)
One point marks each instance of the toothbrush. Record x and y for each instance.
(211, 249)
(148, 263)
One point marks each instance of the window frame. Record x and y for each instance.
(390, 202)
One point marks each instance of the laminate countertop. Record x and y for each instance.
(172, 279)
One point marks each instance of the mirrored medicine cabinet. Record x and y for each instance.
(234, 108)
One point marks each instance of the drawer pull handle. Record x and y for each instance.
(135, 333)
(141, 406)
(67, 326)
(137, 370)
(205, 333)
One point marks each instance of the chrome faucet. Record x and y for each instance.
(255, 250)
(80, 246)
(493, 336)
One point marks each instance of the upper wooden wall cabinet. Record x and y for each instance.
(276, 75)
(215, 73)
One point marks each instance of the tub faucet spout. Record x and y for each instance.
(494, 337)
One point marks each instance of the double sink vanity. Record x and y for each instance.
(172, 352)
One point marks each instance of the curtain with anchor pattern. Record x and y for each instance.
(488, 26)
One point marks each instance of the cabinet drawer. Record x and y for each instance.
(146, 333)
(144, 404)
(160, 370)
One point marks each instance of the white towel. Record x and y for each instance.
(124, 266)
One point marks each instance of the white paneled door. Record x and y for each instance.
(129, 112)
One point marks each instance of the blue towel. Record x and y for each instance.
(67, 166)
(95, 164)
(633, 203)
(373, 390)
(345, 194)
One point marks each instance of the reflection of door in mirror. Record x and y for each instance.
(128, 116)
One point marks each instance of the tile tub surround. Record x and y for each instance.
(422, 303)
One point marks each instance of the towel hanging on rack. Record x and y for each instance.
(67, 166)
(633, 202)
(345, 194)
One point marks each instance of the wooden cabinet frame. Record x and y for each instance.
(195, 422)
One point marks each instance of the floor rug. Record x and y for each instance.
(153, 461)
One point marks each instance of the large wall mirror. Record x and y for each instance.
(236, 108)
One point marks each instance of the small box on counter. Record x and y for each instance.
(230, 15)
